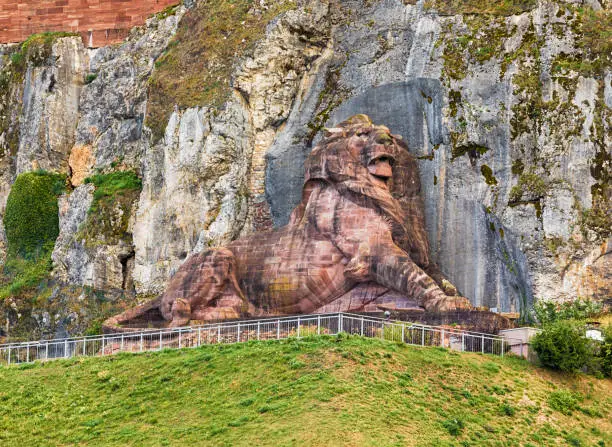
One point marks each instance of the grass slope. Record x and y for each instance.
(315, 391)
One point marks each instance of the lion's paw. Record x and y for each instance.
(449, 303)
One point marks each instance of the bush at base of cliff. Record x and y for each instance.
(31, 223)
(562, 345)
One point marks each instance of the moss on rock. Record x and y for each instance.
(530, 185)
(487, 173)
(196, 67)
(109, 213)
(496, 8)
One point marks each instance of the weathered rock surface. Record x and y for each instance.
(51, 106)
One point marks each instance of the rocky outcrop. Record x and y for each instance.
(51, 106)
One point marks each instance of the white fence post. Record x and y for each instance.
(258, 329)
(160, 340)
(502, 347)
(238, 337)
(180, 338)
(361, 331)
(218, 333)
(278, 329)
(442, 339)
(199, 336)
(102, 344)
(339, 323)
(403, 330)
(422, 336)
(84, 347)
(9, 355)
(121, 342)
(141, 342)
(318, 324)
(482, 342)
(298, 328)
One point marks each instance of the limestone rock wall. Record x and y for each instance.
(511, 131)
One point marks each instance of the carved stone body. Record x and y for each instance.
(359, 225)
(356, 241)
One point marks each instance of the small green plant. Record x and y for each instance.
(564, 401)
(506, 409)
(108, 185)
(454, 426)
(167, 12)
(562, 345)
(109, 213)
(90, 78)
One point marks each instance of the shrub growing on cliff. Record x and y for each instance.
(31, 219)
(31, 223)
(109, 213)
(562, 345)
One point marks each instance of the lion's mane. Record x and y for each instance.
(332, 162)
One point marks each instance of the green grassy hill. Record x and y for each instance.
(316, 391)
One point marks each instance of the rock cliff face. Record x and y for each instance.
(506, 107)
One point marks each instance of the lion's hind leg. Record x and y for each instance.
(204, 288)
(224, 299)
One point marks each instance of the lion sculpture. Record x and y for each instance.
(357, 239)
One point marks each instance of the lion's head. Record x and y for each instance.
(365, 160)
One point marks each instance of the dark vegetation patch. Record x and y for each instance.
(531, 186)
(195, 69)
(487, 173)
(31, 224)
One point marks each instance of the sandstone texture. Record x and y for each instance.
(507, 112)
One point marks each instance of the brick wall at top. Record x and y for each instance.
(100, 22)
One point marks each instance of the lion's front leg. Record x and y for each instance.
(393, 268)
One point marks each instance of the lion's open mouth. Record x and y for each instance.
(380, 168)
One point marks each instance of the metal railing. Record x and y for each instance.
(263, 329)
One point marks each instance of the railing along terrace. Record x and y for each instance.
(262, 329)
